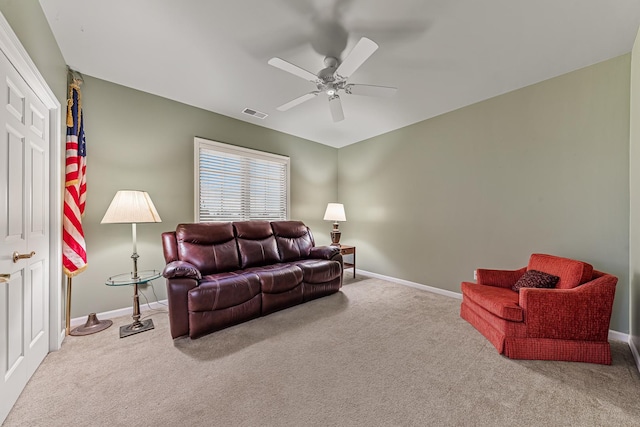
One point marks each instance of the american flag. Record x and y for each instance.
(74, 254)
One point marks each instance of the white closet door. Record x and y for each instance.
(24, 230)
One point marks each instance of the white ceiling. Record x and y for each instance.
(441, 54)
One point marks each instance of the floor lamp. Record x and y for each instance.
(132, 207)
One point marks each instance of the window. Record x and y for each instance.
(238, 184)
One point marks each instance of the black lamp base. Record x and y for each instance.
(136, 328)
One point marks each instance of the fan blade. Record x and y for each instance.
(335, 105)
(370, 90)
(297, 101)
(360, 53)
(293, 69)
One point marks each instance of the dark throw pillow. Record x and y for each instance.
(535, 279)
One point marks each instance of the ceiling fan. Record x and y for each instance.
(333, 78)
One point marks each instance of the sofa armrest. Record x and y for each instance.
(499, 278)
(324, 252)
(581, 313)
(177, 296)
(181, 269)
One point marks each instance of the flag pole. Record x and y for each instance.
(74, 258)
(68, 316)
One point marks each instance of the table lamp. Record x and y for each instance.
(132, 207)
(335, 213)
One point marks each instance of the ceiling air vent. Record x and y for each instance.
(254, 113)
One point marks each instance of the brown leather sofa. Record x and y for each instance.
(222, 274)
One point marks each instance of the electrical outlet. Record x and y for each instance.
(475, 274)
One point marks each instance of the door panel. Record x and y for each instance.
(15, 207)
(15, 315)
(37, 230)
(13, 370)
(38, 324)
(15, 100)
(37, 304)
(38, 166)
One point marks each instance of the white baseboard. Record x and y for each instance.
(128, 311)
(613, 335)
(439, 291)
(618, 336)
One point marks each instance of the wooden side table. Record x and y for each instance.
(349, 250)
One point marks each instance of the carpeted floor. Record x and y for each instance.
(375, 354)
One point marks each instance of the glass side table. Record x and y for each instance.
(143, 278)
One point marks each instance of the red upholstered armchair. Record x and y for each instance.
(568, 322)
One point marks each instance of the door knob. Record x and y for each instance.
(4, 278)
(16, 256)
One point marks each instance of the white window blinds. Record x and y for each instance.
(239, 184)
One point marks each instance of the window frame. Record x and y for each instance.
(222, 147)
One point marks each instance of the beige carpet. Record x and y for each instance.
(375, 354)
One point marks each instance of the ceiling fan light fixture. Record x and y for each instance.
(333, 78)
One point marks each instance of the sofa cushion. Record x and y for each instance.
(210, 247)
(319, 271)
(502, 302)
(293, 238)
(169, 247)
(205, 322)
(277, 278)
(256, 243)
(571, 272)
(535, 279)
(223, 290)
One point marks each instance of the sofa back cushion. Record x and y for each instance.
(571, 272)
(293, 238)
(211, 247)
(169, 246)
(256, 243)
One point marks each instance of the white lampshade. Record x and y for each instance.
(335, 212)
(129, 206)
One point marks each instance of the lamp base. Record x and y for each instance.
(136, 328)
(92, 326)
(335, 237)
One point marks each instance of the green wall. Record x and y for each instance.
(634, 196)
(136, 140)
(541, 169)
(30, 25)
